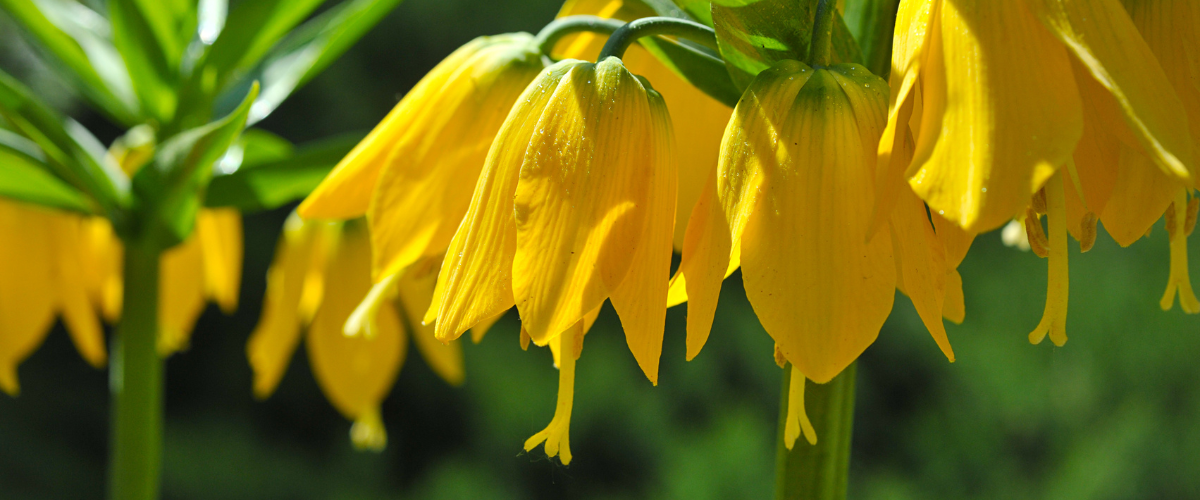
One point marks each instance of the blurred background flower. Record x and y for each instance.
(1113, 415)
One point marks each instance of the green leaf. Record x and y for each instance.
(249, 33)
(26, 177)
(872, 23)
(310, 49)
(701, 10)
(153, 67)
(700, 66)
(68, 148)
(170, 187)
(272, 184)
(756, 34)
(76, 38)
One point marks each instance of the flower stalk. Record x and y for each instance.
(136, 382)
(549, 36)
(820, 471)
(821, 48)
(622, 38)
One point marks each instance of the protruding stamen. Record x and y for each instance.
(557, 434)
(1054, 317)
(363, 319)
(1179, 279)
(779, 359)
(1038, 202)
(1087, 232)
(1037, 237)
(797, 418)
(368, 432)
(1190, 223)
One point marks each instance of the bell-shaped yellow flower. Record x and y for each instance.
(575, 205)
(407, 175)
(994, 94)
(320, 273)
(42, 268)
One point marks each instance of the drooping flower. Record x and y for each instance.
(574, 206)
(407, 176)
(320, 273)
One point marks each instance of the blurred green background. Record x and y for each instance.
(1114, 414)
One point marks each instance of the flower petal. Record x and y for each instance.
(921, 261)
(26, 291)
(181, 294)
(414, 291)
(220, 234)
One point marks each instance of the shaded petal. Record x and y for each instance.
(220, 234)
(414, 291)
(181, 294)
(27, 294)
(1140, 195)
(705, 264)
(921, 261)
(77, 309)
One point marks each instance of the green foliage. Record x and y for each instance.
(273, 176)
(872, 22)
(753, 34)
(26, 177)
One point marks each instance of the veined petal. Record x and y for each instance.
(220, 235)
(1171, 28)
(1104, 38)
(921, 261)
(414, 291)
(641, 299)
(706, 263)
(27, 293)
(1001, 112)
(77, 310)
(346, 191)
(1140, 195)
(825, 299)
(181, 294)
(420, 200)
(355, 373)
(1097, 155)
(582, 199)
(475, 282)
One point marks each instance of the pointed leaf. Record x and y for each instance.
(272, 184)
(26, 177)
(754, 34)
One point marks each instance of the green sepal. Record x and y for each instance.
(26, 177)
(264, 184)
(752, 35)
(169, 189)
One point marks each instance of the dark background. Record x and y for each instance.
(1113, 414)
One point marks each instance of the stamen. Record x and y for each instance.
(1054, 317)
(1038, 202)
(557, 434)
(363, 319)
(1087, 232)
(779, 359)
(1179, 279)
(797, 418)
(1190, 223)
(368, 432)
(1037, 237)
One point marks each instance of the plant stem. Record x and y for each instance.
(563, 26)
(651, 26)
(820, 49)
(137, 381)
(819, 472)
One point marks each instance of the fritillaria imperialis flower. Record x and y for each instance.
(320, 273)
(407, 175)
(575, 205)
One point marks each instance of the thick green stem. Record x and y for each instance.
(821, 49)
(137, 382)
(651, 26)
(563, 26)
(821, 471)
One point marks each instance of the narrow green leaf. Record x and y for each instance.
(59, 139)
(249, 33)
(77, 39)
(25, 176)
(698, 65)
(171, 186)
(701, 10)
(272, 184)
(756, 34)
(310, 49)
(872, 23)
(153, 68)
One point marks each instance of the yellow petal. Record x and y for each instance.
(1104, 38)
(77, 309)
(220, 234)
(582, 199)
(1097, 154)
(953, 306)
(421, 199)
(102, 254)
(27, 293)
(641, 299)
(355, 373)
(346, 191)
(480, 329)
(1001, 112)
(414, 291)
(181, 294)
(705, 264)
(274, 339)
(818, 288)
(921, 259)
(1141, 193)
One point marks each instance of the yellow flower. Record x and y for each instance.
(321, 271)
(574, 205)
(41, 266)
(407, 176)
(698, 119)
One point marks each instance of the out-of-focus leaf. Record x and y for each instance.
(170, 186)
(78, 39)
(700, 66)
(58, 138)
(701, 10)
(268, 185)
(309, 50)
(872, 22)
(24, 176)
(153, 68)
(758, 33)
(211, 15)
(249, 33)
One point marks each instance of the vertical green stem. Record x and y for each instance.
(819, 472)
(137, 382)
(821, 49)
